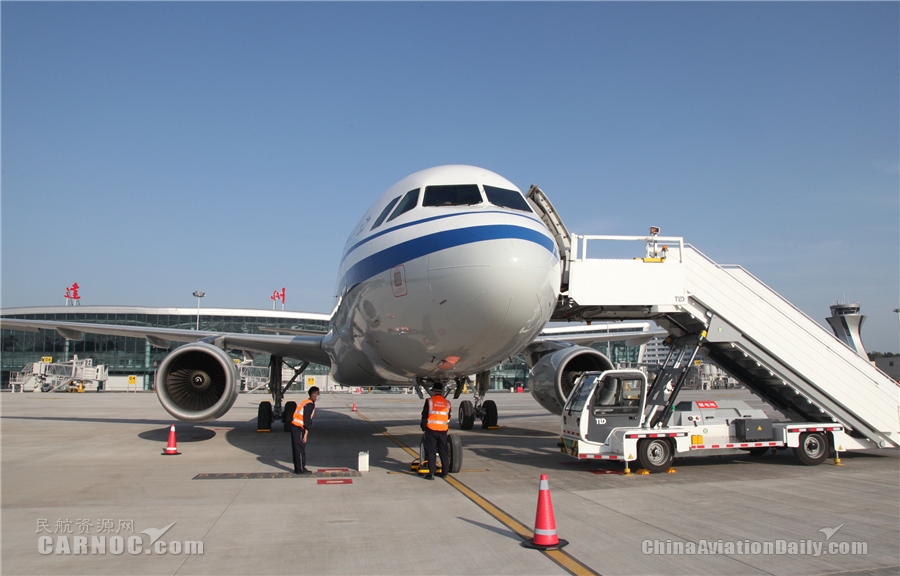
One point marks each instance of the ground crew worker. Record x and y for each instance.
(301, 424)
(435, 423)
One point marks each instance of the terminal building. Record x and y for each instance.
(125, 357)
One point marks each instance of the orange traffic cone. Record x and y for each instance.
(171, 448)
(354, 407)
(545, 537)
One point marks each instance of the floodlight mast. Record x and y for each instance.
(198, 294)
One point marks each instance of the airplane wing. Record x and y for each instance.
(306, 347)
(294, 331)
(631, 338)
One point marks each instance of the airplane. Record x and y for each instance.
(450, 272)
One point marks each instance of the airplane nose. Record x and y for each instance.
(497, 301)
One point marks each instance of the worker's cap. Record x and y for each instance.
(437, 387)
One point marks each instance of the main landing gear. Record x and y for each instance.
(269, 413)
(486, 410)
(481, 409)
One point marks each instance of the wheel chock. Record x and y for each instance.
(642, 472)
(493, 427)
(422, 468)
(671, 471)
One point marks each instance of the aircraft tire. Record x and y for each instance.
(490, 417)
(288, 416)
(456, 453)
(466, 415)
(264, 416)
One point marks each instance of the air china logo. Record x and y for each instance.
(108, 537)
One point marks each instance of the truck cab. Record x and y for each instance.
(604, 401)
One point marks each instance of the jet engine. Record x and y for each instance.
(554, 375)
(197, 382)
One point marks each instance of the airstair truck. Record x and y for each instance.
(830, 396)
(616, 415)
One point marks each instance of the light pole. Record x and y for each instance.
(198, 294)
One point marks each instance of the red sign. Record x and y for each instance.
(707, 404)
(72, 293)
(276, 295)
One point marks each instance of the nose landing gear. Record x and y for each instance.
(485, 410)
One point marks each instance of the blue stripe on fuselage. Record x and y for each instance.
(425, 245)
(433, 218)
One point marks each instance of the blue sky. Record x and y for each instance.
(149, 150)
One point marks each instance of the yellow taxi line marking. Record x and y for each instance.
(562, 558)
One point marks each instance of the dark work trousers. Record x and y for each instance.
(435, 440)
(299, 449)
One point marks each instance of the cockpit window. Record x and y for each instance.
(408, 203)
(506, 198)
(384, 213)
(453, 195)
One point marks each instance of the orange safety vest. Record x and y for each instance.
(298, 413)
(438, 414)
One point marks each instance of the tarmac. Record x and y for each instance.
(79, 470)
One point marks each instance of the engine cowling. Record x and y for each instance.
(197, 382)
(553, 377)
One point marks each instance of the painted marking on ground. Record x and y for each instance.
(416, 473)
(243, 475)
(338, 481)
(562, 558)
(336, 473)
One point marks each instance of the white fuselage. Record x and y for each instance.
(444, 290)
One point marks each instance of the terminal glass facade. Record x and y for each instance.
(130, 356)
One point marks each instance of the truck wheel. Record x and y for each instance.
(655, 454)
(288, 415)
(813, 449)
(466, 415)
(264, 416)
(456, 453)
(490, 414)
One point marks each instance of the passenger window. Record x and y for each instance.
(384, 213)
(506, 198)
(408, 203)
(453, 195)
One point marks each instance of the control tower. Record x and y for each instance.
(846, 321)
